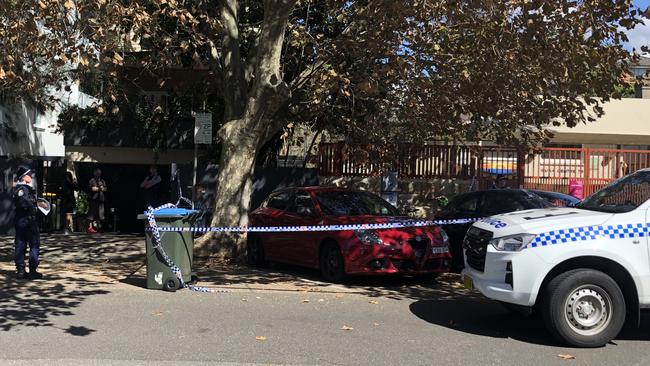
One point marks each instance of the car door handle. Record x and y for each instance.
(636, 241)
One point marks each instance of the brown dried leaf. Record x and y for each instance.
(157, 313)
(566, 356)
(374, 302)
(347, 327)
(305, 301)
(260, 338)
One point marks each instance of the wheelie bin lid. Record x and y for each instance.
(165, 212)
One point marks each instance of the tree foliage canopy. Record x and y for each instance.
(375, 70)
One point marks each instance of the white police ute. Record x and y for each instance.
(586, 268)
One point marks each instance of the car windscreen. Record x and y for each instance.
(624, 195)
(354, 204)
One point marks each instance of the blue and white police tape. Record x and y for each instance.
(342, 227)
(156, 241)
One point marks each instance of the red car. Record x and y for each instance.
(416, 251)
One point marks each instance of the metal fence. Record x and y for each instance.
(550, 169)
(554, 168)
(430, 161)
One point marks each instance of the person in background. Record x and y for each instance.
(151, 187)
(68, 201)
(96, 201)
(501, 182)
(24, 196)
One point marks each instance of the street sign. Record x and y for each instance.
(203, 128)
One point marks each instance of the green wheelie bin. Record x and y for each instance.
(179, 246)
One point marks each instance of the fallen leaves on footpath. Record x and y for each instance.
(305, 301)
(374, 302)
(347, 327)
(157, 313)
(260, 338)
(566, 356)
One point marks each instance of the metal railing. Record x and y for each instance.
(549, 169)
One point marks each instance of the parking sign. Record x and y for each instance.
(203, 128)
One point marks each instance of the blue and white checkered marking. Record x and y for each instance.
(563, 236)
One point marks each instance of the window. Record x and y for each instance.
(502, 201)
(346, 203)
(154, 99)
(302, 204)
(466, 204)
(279, 201)
(624, 195)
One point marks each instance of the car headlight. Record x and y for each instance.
(512, 243)
(368, 237)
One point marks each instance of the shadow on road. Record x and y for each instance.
(482, 317)
(487, 318)
(35, 303)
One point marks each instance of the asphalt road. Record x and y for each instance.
(78, 322)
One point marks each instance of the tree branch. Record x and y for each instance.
(235, 89)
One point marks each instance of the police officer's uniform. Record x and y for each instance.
(26, 227)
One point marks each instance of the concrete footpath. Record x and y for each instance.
(92, 309)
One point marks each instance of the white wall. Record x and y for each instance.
(36, 131)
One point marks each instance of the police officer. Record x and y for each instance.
(26, 227)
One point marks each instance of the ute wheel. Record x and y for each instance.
(584, 308)
(255, 251)
(332, 264)
(171, 284)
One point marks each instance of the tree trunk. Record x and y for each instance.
(245, 133)
(233, 195)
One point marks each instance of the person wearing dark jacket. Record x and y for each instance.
(68, 201)
(27, 234)
(96, 201)
(151, 188)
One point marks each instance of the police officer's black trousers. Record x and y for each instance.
(27, 235)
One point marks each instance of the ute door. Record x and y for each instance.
(301, 247)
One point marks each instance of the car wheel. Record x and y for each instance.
(332, 264)
(255, 251)
(584, 308)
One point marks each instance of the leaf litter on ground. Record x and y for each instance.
(566, 356)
